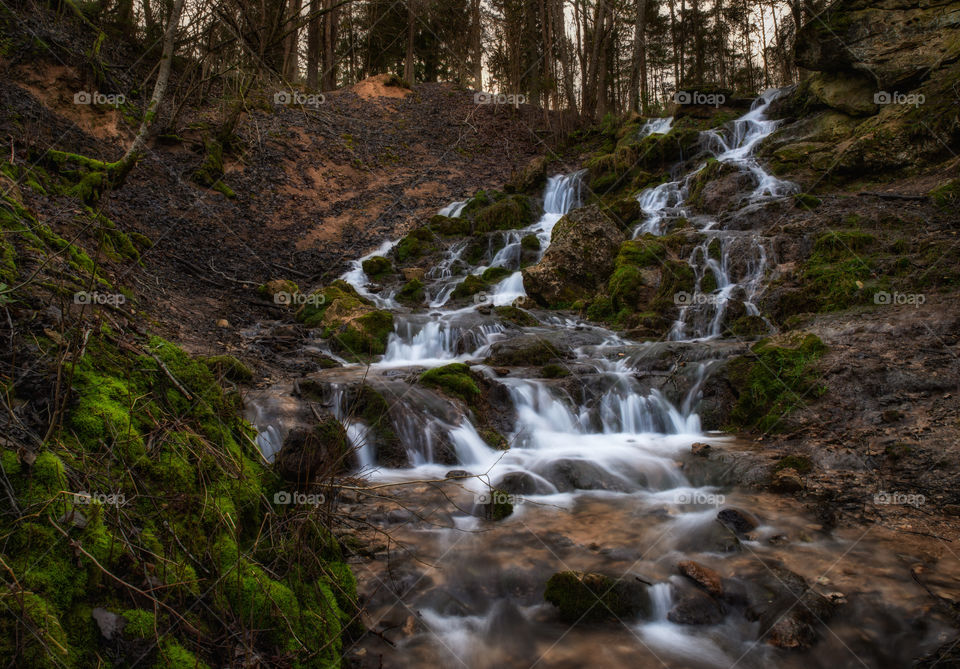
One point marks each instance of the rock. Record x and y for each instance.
(110, 624)
(579, 260)
(850, 93)
(413, 273)
(530, 177)
(223, 323)
(787, 480)
(703, 576)
(457, 474)
(526, 350)
(311, 453)
(593, 597)
(569, 474)
(738, 521)
(494, 504)
(695, 607)
(790, 624)
(700, 449)
(522, 483)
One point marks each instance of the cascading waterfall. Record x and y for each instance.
(656, 126)
(701, 313)
(594, 438)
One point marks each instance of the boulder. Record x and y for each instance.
(703, 576)
(695, 607)
(580, 258)
(568, 475)
(787, 480)
(592, 597)
(311, 453)
(738, 521)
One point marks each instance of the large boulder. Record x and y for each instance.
(309, 454)
(592, 597)
(581, 256)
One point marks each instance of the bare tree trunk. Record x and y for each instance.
(639, 54)
(674, 38)
(560, 30)
(313, 46)
(133, 154)
(291, 47)
(476, 39)
(330, 22)
(408, 69)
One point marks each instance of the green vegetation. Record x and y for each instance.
(590, 597)
(947, 195)
(454, 379)
(800, 463)
(778, 376)
(377, 266)
(412, 293)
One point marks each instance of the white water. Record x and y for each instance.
(701, 314)
(656, 126)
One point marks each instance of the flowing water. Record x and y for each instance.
(599, 470)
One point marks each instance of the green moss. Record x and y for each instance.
(499, 506)
(806, 201)
(838, 273)
(947, 195)
(471, 285)
(516, 315)
(364, 336)
(377, 266)
(493, 438)
(228, 367)
(45, 644)
(418, 243)
(171, 655)
(590, 597)
(530, 243)
(141, 624)
(412, 293)
(801, 463)
(511, 212)
(777, 377)
(748, 326)
(494, 274)
(455, 379)
(554, 371)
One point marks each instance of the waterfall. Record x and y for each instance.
(656, 126)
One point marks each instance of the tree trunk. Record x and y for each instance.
(476, 39)
(330, 22)
(291, 50)
(313, 46)
(133, 154)
(639, 54)
(408, 68)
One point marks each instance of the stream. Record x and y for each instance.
(600, 474)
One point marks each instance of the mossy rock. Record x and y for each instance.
(412, 293)
(554, 371)
(749, 326)
(516, 315)
(592, 597)
(228, 367)
(493, 275)
(377, 266)
(455, 379)
(311, 454)
(509, 213)
(418, 243)
(449, 226)
(493, 438)
(276, 286)
(530, 243)
(497, 506)
(806, 201)
(471, 285)
(801, 463)
(777, 377)
(363, 336)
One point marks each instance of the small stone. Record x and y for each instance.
(703, 576)
(223, 323)
(700, 449)
(787, 480)
(457, 474)
(696, 608)
(738, 521)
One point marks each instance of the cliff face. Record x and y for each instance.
(884, 91)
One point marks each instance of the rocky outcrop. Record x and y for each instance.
(580, 258)
(591, 597)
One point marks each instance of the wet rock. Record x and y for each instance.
(311, 453)
(527, 350)
(700, 449)
(593, 597)
(413, 273)
(792, 621)
(738, 521)
(494, 504)
(787, 480)
(695, 607)
(457, 474)
(703, 576)
(579, 260)
(522, 483)
(568, 475)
